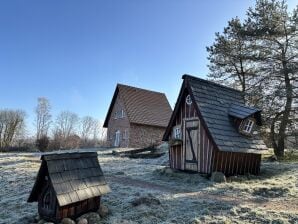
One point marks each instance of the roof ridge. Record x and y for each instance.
(133, 87)
(68, 155)
(185, 76)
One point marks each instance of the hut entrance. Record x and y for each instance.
(191, 144)
(47, 202)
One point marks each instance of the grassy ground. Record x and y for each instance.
(290, 156)
(143, 191)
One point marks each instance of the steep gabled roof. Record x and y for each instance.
(74, 176)
(142, 106)
(213, 102)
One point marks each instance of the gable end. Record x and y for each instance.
(106, 122)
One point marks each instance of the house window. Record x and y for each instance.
(125, 134)
(119, 114)
(247, 125)
(177, 132)
(188, 100)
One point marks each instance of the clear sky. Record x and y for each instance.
(75, 52)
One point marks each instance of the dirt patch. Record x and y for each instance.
(273, 192)
(139, 183)
(146, 200)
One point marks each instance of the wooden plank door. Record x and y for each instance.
(47, 201)
(190, 143)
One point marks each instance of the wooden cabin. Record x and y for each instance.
(211, 129)
(68, 185)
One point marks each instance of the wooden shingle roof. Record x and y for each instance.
(74, 176)
(242, 111)
(142, 106)
(214, 103)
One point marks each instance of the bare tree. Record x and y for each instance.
(66, 123)
(43, 117)
(99, 133)
(87, 125)
(12, 124)
(57, 142)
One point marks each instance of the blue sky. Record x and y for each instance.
(75, 52)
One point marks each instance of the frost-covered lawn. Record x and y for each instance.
(165, 197)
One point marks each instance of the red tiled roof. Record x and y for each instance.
(143, 106)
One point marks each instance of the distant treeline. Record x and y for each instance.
(66, 131)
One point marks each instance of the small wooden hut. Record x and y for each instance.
(68, 185)
(211, 129)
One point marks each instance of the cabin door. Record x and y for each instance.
(190, 143)
(47, 201)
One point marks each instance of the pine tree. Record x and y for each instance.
(260, 56)
(273, 34)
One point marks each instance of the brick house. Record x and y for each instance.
(136, 117)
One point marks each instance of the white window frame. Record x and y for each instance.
(177, 134)
(247, 125)
(125, 134)
(122, 113)
(117, 140)
(119, 114)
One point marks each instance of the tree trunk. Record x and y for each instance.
(286, 114)
(272, 133)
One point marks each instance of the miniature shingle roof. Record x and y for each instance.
(214, 102)
(74, 176)
(143, 106)
(242, 111)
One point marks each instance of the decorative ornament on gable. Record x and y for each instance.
(188, 100)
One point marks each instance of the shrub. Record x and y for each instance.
(43, 143)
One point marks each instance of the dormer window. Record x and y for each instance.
(246, 126)
(188, 100)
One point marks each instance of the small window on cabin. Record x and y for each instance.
(116, 115)
(177, 133)
(247, 126)
(188, 100)
(122, 113)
